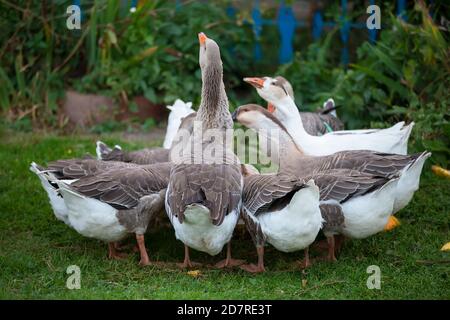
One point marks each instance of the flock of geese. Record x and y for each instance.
(327, 179)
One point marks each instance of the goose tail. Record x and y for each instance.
(37, 169)
(329, 107)
(409, 180)
(104, 152)
(46, 176)
(406, 133)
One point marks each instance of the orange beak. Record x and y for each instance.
(202, 38)
(270, 107)
(392, 223)
(258, 83)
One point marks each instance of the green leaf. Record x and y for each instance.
(150, 94)
(387, 61)
(379, 77)
(436, 145)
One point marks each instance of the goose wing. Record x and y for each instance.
(342, 185)
(148, 156)
(264, 193)
(123, 187)
(78, 168)
(377, 163)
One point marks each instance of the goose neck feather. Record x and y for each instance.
(213, 111)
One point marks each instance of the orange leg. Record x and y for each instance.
(112, 252)
(331, 247)
(145, 261)
(306, 262)
(229, 261)
(260, 266)
(187, 263)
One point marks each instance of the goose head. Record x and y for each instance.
(277, 92)
(209, 54)
(256, 117)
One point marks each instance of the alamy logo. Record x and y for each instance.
(74, 280)
(74, 20)
(374, 280)
(374, 20)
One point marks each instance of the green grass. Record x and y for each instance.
(36, 249)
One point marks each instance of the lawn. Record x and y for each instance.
(36, 249)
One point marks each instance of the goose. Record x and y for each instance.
(391, 140)
(203, 197)
(178, 111)
(404, 169)
(315, 123)
(69, 171)
(288, 211)
(281, 210)
(385, 164)
(111, 204)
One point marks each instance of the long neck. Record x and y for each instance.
(213, 111)
(286, 153)
(289, 115)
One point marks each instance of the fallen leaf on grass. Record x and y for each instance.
(441, 172)
(446, 247)
(304, 283)
(194, 273)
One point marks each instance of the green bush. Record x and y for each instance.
(404, 76)
(152, 52)
(157, 53)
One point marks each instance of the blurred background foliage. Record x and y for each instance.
(404, 76)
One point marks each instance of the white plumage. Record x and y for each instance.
(295, 226)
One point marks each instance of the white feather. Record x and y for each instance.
(296, 226)
(409, 182)
(368, 214)
(178, 111)
(91, 217)
(56, 201)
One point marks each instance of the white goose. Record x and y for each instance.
(315, 123)
(178, 111)
(391, 140)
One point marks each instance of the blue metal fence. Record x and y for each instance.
(287, 25)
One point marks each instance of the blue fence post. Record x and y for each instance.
(345, 33)
(231, 13)
(257, 29)
(401, 9)
(317, 27)
(372, 32)
(286, 26)
(133, 5)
